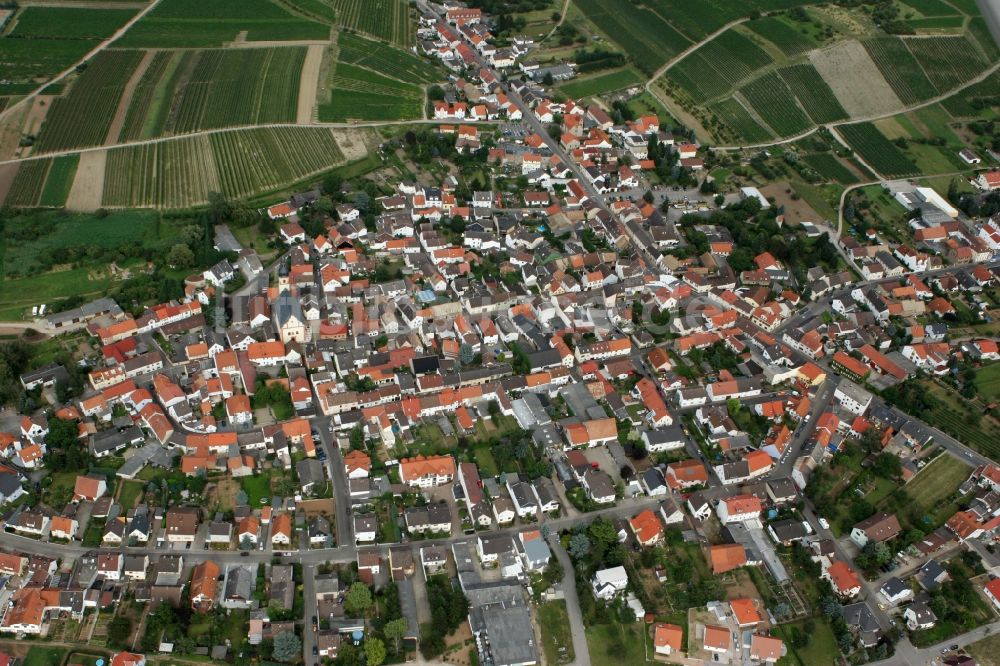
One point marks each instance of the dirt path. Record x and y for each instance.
(308, 83)
(36, 114)
(272, 44)
(88, 185)
(126, 100)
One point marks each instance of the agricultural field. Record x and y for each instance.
(739, 121)
(180, 173)
(813, 93)
(385, 19)
(987, 382)
(384, 59)
(197, 24)
(319, 10)
(147, 109)
(975, 99)
(773, 101)
(828, 166)
(26, 189)
(601, 83)
(59, 181)
(237, 87)
(716, 68)
(877, 150)
(83, 116)
(358, 93)
(900, 69)
(948, 61)
(69, 22)
(641, 33)
(782, 34)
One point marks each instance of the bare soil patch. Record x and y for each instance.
(126, 100)
(7, 174)
(855, 79)
(796, 210)
(308, 83)
(10, 132)
(88, 185)
(353, 143)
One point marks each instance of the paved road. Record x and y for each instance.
(341, 490)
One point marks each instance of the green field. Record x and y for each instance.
(813, 93)
(774, 102)
(822, 649)
(234, 87)
(146, 113)
(385, 19)
(358, 93)
(130, 493)
(974, 99)
(827, 165)
(34, 242)
(601, 83)
(877, 150)
(257, 487)
(615, 644)
(931, 7)
(59, 181)
(43, 182)
(988, 382)
(241, 163)
(82, 117)
(386, 59)
(44, 656)
(937, 482)
(740, 122)
(21, 294)
(554, 621)
(194, 24)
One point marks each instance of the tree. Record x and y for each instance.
(287, 647)
(246, 543)
(374, 652)
(888, 466)
(579, 546)
(119, 631)
(241, 498)
(395, 630)
(180, 256)
(358, 599)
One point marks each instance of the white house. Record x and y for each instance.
(608, 583)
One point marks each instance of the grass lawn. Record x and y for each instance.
(616, 644)
(484, 459)
(937, 481)
(61, 490)
(257, 487)
(883, 488)
(987, 382)
(821, 650)
(19, 295)
(44, 656)
(428, 439)
(130, 492)
(986, 651)
(554, 621)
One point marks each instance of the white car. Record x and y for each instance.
(824, 524)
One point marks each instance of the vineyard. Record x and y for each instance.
(875, 149)
(948, 61)
(973, 99)
(813, 93)
(238, 87)
(28, 183)
(82, 117)
(640, 32)
(198, 24)
(740, 122)
(142, 105)
(69, 23)
(900, 69)
(385, 19)
(180, 173)
(386, 59)
(59, 181)
(790, 41)
(358, 93)
(828, 166)
(774, 102)
(716, 68)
